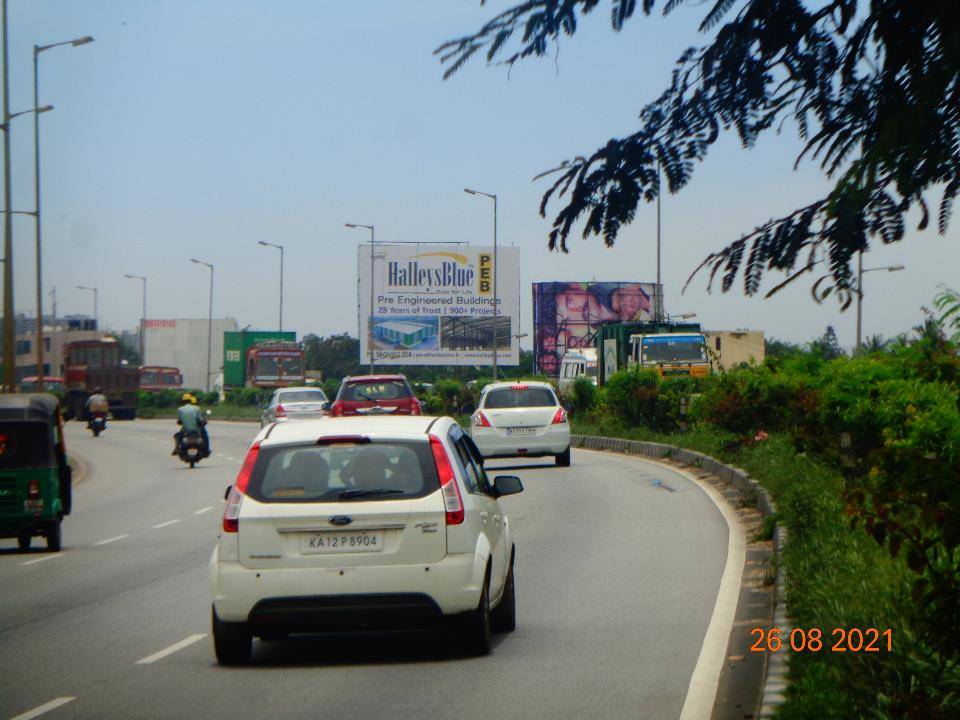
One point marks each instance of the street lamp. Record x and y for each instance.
(496, 307)
(37, 110)
(143, 316)
(354, 226)
(860, 273)
(209, 318)
(94, 291)
(280, 248)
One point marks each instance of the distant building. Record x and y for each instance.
(182, 343)
(57, 332)
(730, 348)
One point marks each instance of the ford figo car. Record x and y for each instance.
(366, 524)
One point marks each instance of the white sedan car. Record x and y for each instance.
(521, 420)
(362, 523)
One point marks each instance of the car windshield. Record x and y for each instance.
(385, 390)
(302, 396)
(25, 444)
(344, 471)
(673, 349)
(520, 397)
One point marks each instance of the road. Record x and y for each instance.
(617, 577)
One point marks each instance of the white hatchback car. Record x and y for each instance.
(521, 420)
(362, 523)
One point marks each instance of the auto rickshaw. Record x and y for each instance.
(35, 479)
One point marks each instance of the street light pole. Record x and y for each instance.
(496, 304)
(209, 318)
(94, 290)
(9, 358)
(658, 294)
(37, 49)
(143, 317)
(370, 319)
(861, 271)
(280, 248)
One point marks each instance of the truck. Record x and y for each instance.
(236, 348)
(671, 348)
(91, 364)
(155, 378)
(275, 364)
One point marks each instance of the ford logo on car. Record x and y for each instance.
(341, 520)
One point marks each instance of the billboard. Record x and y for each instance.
(567, 315)
(434, 304)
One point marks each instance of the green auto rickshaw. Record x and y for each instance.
(35, 479)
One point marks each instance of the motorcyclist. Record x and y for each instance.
(97, 404)
(189, 418)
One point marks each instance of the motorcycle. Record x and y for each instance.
(191, 448)
(97, 423)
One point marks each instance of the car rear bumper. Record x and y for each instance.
(402, 595)
(493, 443)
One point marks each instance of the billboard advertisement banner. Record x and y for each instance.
(434, 304)
(567, 315)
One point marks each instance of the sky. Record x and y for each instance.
(198, 129)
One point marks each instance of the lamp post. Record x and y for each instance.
(94, 291)
(353, 226)
(209, 318)
(143, 316)
(37, 49)
(9, 357)
(280, 248)
(496, 306)
(861, 271)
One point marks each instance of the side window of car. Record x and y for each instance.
(477, 462)
(463, 460)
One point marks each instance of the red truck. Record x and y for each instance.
(275, 364)
(91, 364)
(154, 378)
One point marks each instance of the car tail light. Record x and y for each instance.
(448, 482)
(231, 513)
(415, 408)
(336, 410)
(559, 417)
(519, 387)
(33, 488)
(480, 420)
(280, 411)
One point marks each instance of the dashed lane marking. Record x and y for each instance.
(110, 540)
(45, 708)
(201, 511)
(51, 556)
(172, 649)
(164, 524)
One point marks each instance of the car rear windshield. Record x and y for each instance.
(25, 444)
(383, 390)
(302, 396)
(524, 397)
(344, 472)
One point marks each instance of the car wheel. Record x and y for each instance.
(477, 627)
(53, 536)
(563, 459)
(23, 540)
(504, 616)
(232, 642)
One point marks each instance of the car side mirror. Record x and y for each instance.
(226, 493)
(326, 406)
(507, 485)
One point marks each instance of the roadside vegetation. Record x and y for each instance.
(862, 455)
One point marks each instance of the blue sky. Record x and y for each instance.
(197, 129)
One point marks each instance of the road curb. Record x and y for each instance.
(773, 688)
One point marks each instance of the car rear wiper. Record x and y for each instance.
(350, 494)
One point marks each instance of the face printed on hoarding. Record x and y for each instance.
(573, 304)
(629, 302)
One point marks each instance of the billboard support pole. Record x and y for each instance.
(369, 319)
(493, 197)
(658, 292)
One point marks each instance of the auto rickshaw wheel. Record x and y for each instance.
(23, 540)
(53, 536)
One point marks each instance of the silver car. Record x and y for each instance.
(295, 403)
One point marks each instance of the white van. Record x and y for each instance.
(578, 363)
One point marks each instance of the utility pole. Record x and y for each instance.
(9, 338)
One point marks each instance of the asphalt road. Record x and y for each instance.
(618, 567)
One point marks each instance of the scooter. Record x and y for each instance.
(97, 423)
(191, 448)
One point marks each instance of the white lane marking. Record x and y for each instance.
(201, 511)
(172, 649)
(41, 559)
(110, 540)
(702, 690)
(45, 708)
(164, 524)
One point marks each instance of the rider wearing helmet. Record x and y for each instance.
(189, 418)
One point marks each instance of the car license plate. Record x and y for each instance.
(521, 431)
(341, 542)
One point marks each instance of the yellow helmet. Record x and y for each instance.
(187, 397)
(193, 400)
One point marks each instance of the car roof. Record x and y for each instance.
(515, 383)
(406, 426)
(299, 388)
(373, 378)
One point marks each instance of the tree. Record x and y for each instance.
(336, 356)
(775, 349)
(827, 346)
(872, 87)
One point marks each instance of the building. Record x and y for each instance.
(56, 334)
(182, 343)
(730, 348)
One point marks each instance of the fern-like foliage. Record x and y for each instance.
(873, 87)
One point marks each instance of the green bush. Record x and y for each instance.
(331, 386)
(582, 398)
(247, 396)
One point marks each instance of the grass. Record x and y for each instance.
(223, 411)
